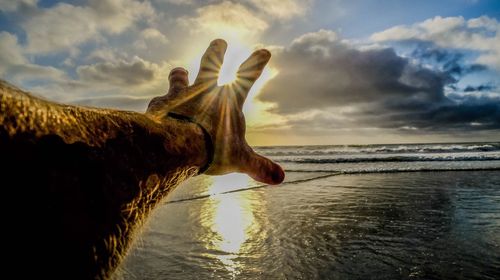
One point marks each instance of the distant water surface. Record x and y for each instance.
(426, 211)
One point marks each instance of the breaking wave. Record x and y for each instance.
(375, 149)
(395, 158)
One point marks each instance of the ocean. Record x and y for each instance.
(408, 211)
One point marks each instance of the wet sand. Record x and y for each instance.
(416, 225)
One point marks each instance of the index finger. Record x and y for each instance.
(211, 62)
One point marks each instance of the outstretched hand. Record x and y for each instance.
(219, 110)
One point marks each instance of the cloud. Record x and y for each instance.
(319, 70)
(284, 9)
(124, 73)
(479, 88)
(150, 37)
(118, 102)
(116, 16)
(64, 25)
(14, 65)
(153, 34)
(13, 5)
(10, 52)
(330, 84)
(179, 2)
(106, 54)
(105, 73)
(485, 22)
(226, 18)
(272, 9)
(450, 62)
(478, 34)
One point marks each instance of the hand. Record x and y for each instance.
(219, 110)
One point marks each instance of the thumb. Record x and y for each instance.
(264, 170)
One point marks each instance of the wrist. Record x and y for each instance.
(196, 143)
(207, 139)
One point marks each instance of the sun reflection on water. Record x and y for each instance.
(231, 219)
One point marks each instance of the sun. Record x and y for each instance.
(238, 50)
(236, 53)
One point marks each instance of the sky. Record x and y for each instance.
(341, 72)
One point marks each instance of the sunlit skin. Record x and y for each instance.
(87, 178)
(218, 108)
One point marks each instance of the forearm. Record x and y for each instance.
(94, 173)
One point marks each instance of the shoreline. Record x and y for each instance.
(330, 174)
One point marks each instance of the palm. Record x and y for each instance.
(219, 110)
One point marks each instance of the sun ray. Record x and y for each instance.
(239, 48)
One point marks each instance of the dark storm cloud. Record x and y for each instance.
(450, 62)
(485, 116)
(381, 88)
(479, 88)
(317, 71)
(440, 118)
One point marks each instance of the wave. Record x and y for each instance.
(398, 158)
(377, 149)
(395, 170)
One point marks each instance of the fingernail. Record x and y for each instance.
(218, 42)
(177, 69)
(265, 53)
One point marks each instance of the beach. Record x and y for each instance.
(421, 211)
